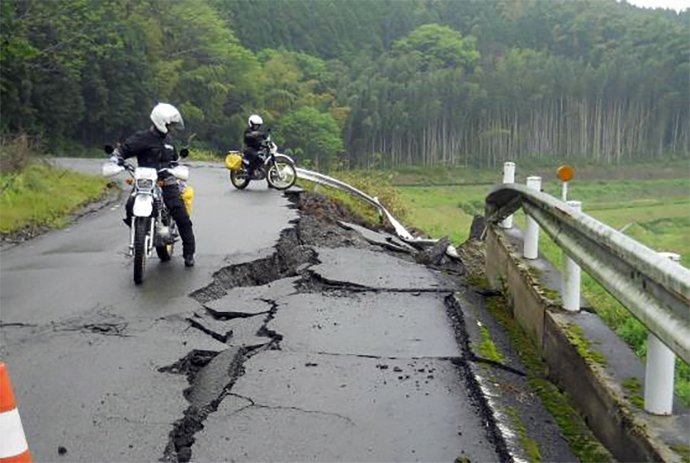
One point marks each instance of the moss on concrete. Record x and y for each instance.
(580, 438)
(583, 346)
(487, 348)
(535, 274)
(633, 387)
(683, 451)
(529, 445)
(478, 281)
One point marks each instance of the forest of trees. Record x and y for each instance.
(364, 83)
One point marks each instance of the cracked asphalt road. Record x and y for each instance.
(293, 339)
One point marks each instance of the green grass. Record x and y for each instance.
(651, 202)
(445, 210)
(197, 154)
(41, 195)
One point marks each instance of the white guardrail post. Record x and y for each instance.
(508, 177)
(570, 291)
(531, 243)
(659, 372)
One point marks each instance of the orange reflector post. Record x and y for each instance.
(565, 173)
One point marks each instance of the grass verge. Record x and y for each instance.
(40, 195)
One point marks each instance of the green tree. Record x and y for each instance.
(313, 134)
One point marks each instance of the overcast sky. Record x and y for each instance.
(677, 5)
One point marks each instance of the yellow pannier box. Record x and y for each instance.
(233, 160)
(188, 198)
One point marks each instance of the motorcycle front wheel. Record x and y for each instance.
(239, 179)
(281, 174)
(141, 227)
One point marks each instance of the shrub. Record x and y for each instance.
(17, 152)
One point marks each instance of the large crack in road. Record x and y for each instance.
(250, 306)
(212, 374)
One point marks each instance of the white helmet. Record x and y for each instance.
(254, 120)
(165, 114)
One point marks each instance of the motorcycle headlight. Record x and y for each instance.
(144, 184)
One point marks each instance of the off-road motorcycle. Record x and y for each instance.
(152, 227)
(277, 169)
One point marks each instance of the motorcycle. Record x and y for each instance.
(277, 169)
(152, 227)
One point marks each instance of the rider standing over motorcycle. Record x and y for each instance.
(253, 138)
(153, 148)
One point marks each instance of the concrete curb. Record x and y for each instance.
(584, 357)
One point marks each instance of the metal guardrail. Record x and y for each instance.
(400, 230)
(654, 289)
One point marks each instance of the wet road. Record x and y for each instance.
(83, 344)
(289, 341)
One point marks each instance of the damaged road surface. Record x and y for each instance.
(295, 338)
(338, 350)
(362, 366)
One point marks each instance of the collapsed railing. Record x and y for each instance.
(400, 230)
(654, 288)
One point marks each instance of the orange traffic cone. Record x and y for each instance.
(13, 446)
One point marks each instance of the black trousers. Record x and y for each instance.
(252, 156)
(173, 201)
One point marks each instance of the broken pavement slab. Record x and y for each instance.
(238, 332)
(245, 301)
(384, 239)
(378, 270)
(245, 332)
(366, 323)
(210, 382)
(319, 407)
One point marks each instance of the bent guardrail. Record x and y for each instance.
(653, 288)
(400, 230)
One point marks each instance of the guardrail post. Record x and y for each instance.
(570, 291)
(660, 370)
(508, 177)
(531, 243)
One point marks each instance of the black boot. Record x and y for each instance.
(189, 260)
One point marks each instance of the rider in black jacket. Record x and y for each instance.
(153, 148)
(253, 139)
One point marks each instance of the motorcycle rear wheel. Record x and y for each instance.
(239, 179)
(141, 226)
(165, 252)
(282, 174)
